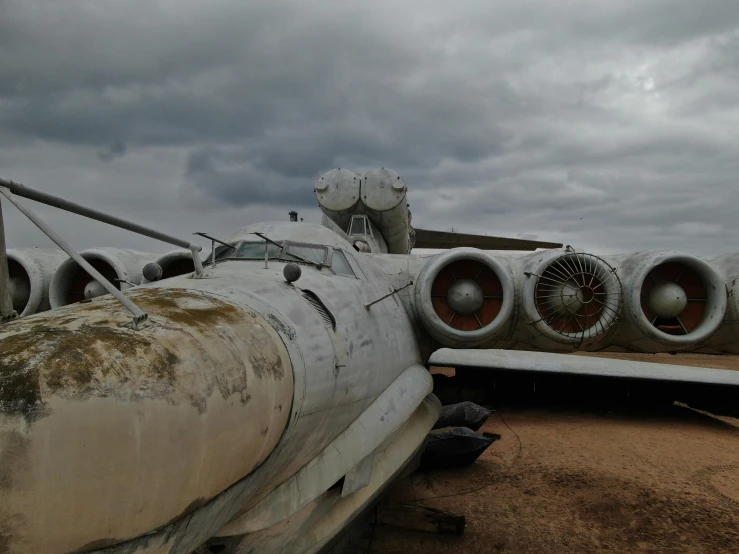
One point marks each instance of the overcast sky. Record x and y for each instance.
(611, 125)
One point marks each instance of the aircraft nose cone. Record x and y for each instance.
(107, 433)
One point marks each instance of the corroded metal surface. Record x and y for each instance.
(32, 269)
(338, 372)
(140, 428)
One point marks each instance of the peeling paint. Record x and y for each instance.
(13, 457)
(188, 402)
(187, 308)
(280, 326)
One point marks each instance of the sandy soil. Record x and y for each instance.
(561, 481)
(699, 360)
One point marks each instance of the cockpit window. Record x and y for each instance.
(255, 250)
(358, 226)
(339, 264)
(221, 253)
(252, 250)
(315, 254)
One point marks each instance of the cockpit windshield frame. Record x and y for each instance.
(224, 253)
(255, 249)
(300, 249)
(360, 225)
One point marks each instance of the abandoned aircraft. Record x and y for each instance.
(259, 399)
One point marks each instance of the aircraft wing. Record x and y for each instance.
(544, 362)
(568, 375)
(444, 239)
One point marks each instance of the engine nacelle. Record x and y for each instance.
(672, 301)
(71, 283)
(337, 192)
(380, 194)
(465, 297)
(31, 270)
(172, 264)
(726, 339)
(569, 298)
(384, 198)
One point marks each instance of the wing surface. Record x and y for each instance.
(544, 362)
(444, 239)
(567, 378)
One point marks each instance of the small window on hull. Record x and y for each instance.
(340, 265)
(221, 253)
(358, 226)
(315, 254)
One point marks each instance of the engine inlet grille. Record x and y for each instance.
(578, 295)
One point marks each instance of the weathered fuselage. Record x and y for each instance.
(153, 439)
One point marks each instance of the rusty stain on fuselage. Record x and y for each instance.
(198, 349)
(79, 343)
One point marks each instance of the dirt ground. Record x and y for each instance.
(561, 481)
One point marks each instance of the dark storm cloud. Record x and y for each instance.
(610, 124)
(114, 150)
(231, 177)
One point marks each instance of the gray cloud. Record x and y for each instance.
(114, 150)
(611, 126)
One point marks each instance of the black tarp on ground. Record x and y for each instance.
(449, 448)
(463, 414)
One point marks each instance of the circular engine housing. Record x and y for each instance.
(30, 271)
(464, 297)
(673, 301)
(726, 338)
(173, 263)
(337, 192)
(70, 281)
(571, 298)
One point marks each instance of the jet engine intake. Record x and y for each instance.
(71, 283)
(464, 297)
(172, 264)
(30, 274)
(571, 297)
(675, 300)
